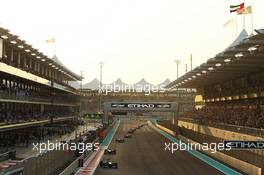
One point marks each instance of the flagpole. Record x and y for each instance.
(236, 26)
(244, 21)
(252, 24)
(54, 48)
(244, 18)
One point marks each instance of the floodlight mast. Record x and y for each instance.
(101, 64)
(178, 62)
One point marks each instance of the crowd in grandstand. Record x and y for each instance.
(10, 117)
(32, 93)
(24, 137)
(237, 115)
(14, 90)
(244, 85)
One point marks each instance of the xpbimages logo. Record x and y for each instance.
(58, 146)
(117, 88)
(212, 147)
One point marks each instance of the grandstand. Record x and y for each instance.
(231, 84)
(37, 101)
(32, 86)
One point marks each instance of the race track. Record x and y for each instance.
(144, 154)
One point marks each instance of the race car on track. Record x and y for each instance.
(131, 131)
(107, 163)
(141, 125)
(110, 151)
(128, 136)
(120, 140)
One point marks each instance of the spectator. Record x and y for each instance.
(240, 115)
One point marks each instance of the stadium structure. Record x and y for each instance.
(36, 101)
(218, 102)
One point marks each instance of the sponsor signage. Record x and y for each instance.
(244, 144)
(141, 105)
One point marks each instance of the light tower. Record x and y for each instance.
(178, 62)
(191, 61)
(101, 64)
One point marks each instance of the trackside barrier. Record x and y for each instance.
(93, 159)
(107, 140)
(166, 130)
(7, 155)
(75, 164)
(72, 167)
(92, 163)
(217, 132)
(48, 162)
(241, 129)
(236, 163)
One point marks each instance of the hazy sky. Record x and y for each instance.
(135, 38)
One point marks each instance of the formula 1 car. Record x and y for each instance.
(141, 125)
(120, 140)
(131, 131)
(107, 163)
(110, 151)
(128, 136)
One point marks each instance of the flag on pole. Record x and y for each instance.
(231, 22)
(51, 40)
(235, 8)
(247, 10)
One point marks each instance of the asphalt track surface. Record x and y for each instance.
(144, 154)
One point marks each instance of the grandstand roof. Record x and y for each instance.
(164, 83)
(55, 59)
(244, 56)
(143, 82)
(94, 84)
(119, 82)
(53, 62)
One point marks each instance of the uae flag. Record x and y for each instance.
(235, 8)
(247, 10)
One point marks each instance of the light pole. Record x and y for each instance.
(178, 62)
(81, 80)
(101, 64)
(81, 93)
(191, 61)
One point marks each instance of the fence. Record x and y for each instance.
(48, 163)
(234, 128)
